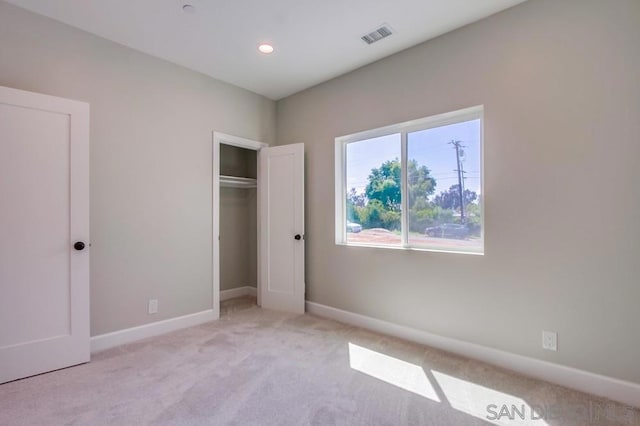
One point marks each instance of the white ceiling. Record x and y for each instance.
(314, 40)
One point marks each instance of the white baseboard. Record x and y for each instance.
(584, 381)
(237, 292)
(121, 337)
(129, 335)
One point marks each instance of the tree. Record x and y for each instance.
(385, 184)
(451, 199)
(474, 218)
(420, 182)
(376, 215)
(380, 204)
(358, 200)
(355, 203)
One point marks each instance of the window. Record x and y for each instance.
(415, 185)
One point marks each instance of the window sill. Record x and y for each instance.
(411, 248)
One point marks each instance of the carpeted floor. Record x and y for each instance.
(257, 367)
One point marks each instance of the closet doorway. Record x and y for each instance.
(258, 222)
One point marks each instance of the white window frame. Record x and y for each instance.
(341, 142)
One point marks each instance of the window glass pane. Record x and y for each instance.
(374, 191)
(444, 178)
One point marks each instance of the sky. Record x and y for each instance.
(429, 147)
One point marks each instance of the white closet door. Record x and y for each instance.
(281, 256)
(44, 191)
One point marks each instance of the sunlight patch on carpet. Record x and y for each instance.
(488, 404)
(407, 376)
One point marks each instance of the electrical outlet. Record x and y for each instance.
(549, 340)
(153, 306)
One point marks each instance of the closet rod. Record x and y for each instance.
(238, 182)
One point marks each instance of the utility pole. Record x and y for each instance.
(458, 147)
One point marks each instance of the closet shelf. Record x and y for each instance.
(238, 182)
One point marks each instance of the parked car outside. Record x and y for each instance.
(354, 227)
(448, 230)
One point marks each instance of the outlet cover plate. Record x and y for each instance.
(550, 340)
(153, 306)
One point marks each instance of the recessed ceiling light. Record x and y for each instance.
(265, 48)
(188, 8)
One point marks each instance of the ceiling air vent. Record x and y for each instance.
(379, 34)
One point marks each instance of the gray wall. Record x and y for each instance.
(151, 170)
(560, 84)
(238, 238)
(559, 81)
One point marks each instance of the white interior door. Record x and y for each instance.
(44, 196)
(281, 185)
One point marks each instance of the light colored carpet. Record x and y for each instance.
(256, 367)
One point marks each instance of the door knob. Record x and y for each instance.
(79, 246)
(298, 237)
